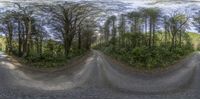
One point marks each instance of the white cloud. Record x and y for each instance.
(166, 5)
(135, 3)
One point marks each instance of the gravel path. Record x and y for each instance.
(99, 78)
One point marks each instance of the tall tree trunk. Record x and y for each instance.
(150, 32)
(19, 39)
(28, 40)
(146, 31)
(37, 45)
(153, 34)
(9, 37)
(165, 35)
(25, 44)
(173, 41)
(180, 38)
(41, 45)
(135, 26)
(79, 39)
(23, 39)
(113, 33)
(65, 48)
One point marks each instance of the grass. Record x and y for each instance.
(2, 43)
(195, 39)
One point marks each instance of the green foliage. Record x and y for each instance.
(46, 60)
(27, 37)
(2, 43)
(52, 55)
(195, 40)
(50, 60)
(143, 57)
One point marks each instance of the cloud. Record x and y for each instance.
(133, 3)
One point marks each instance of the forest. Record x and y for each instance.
(99, 49)
(50, 35)
(147, 38)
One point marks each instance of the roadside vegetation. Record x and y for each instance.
(2, 43)
(148, 39)
(195, 39)
(48, 36)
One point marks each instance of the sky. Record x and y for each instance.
(164, 4)
(167, 6)
(135, 3)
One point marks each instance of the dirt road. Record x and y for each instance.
(99, 78)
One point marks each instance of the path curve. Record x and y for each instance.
(99, 78)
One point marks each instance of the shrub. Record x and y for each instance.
(138, 55)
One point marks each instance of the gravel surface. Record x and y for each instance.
(100, 78)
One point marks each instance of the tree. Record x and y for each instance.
(114, 30)
(135, 18)
(7, 28)
(122, 27)
(24, 17)
(107, 29)
(67, 18)
(196, 22)
(154, 14)
(176, 25)
(145, 19)
(22, 26)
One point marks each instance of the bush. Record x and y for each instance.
(109, 49)
(134, 51)
(148, 58)
(49, 60)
